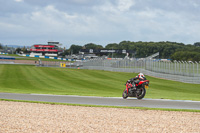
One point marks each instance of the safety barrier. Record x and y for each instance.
(3, 53)
(47, 57)
(188, 72)
(7, 58)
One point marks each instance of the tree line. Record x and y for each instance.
(167, 50)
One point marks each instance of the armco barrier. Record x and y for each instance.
(3, 53)
(7, 58)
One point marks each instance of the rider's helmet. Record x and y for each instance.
(141, 75)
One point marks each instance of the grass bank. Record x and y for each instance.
(63, 81)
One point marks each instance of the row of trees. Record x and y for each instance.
(167, 50)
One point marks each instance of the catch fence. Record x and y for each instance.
(188, 72)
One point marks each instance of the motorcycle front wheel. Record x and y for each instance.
(140, 93)
(124, 94)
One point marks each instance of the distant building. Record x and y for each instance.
(50, 49)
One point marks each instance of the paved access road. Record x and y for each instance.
(108, 101)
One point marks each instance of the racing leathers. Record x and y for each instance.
(133, 80)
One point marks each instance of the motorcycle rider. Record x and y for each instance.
(140, 77)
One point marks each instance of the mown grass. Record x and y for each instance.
(63, 81)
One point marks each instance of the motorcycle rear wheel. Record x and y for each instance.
(140, 93)
(124, 94)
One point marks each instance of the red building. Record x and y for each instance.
(50, 49)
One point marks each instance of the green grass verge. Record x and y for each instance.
(86, 105)
(62, 81)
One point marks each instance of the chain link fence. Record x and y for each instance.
(63, 64)
(188, 72)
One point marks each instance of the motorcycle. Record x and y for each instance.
(138, 91)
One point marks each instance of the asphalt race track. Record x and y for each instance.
(108, 101)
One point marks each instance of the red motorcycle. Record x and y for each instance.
(138, 91)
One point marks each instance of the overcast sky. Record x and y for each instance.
(28, 22)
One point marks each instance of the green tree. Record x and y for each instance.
(197, 44)
(186, 56)
(92, 46)
(1, 46)
(112, 46)
(124, 45)
(74, 49)
(24, 49)
(18, 50)
(66, 52)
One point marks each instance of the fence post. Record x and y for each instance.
(175, 66)
(197, 68)
(193, 68)
(189, 68)
(186, 68)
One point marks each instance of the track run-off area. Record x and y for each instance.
(91, 87)
(105, 101)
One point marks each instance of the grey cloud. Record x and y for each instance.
(101, 21)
